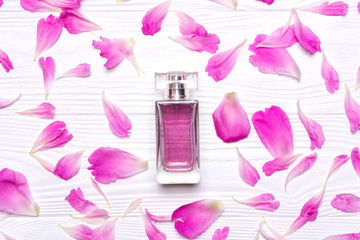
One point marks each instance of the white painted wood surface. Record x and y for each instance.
(78, 103)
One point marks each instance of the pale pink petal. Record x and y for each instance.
(355, 159)
(5, 61)
(273, 60)
(75, 22)
(151, 22)
(6, 237)
(38, 6)
(53, 136)
(264, 201)
(44, 110)
(246, 171)
(348, 236)
(6, 102)
(227, 3)
(313, 129)
(230, 120)
(78, 232)
(157, 218)
(267, 1)
(337, 8)
(304, 165)
(119, 123)
(188, 26)
(105, 231)
(48, 32)
(48, 68)
(357, 84)
(133, 205)
(81, 70)
(45, 164)
(280, 38)
(15, 195)
(346, 202)
(77, 200)
(352, 110)
(109, 164)
(152, 232)
(337, 163)
(220, 65)
(276, 235)
(194, 218)
(97, 217)
(330, 75)
(65, 3)
(121, 1)
(221, 234)
(305, 36)
(97, 187)
(279, 164)
(68, 166)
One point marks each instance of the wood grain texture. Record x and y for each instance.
(78, 103)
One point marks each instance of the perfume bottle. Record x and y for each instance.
(177, 129)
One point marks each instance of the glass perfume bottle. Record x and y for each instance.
(177, 129)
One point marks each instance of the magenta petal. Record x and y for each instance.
(337, 8)
(267, 1)
(348, 236)
(230, 120)
(352, 110)
(1, 3)
(15, 195)
(355, 159)
(5, 61)
(78, 232)
(313, 129)
(68, 166)
(227, 3)
(279, 164)
(246, 171)
(279, 38)
(221, 234)
(75, 22)
(48, 68)
(358, 6)
(330, 75)
(81, 70)
(5, 102)
(194, 218)
(220, 65)
(151, 22)
(346, 202)
(44, 110)
(38, 6)
(119, 123)
(65, 3)
(79, 203)
(337, 163)
(188, 26)
(109, 164)
(264, 201)
(152, 232)
(157, 218)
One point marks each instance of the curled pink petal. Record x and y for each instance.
(337, 8)
(269, 2)
(5, 61)
(221, 234)
(352, 110)
(220, 65)
(313, 129)
(280, 38)
(133, 205)
(54, 135)
(330, 75)
(346, 202)
(5, 102)
(305, 36)
(304, 165)
(44, 110)
(81, 70)
(97, 187)
(279, 164)
(273, 60)
(157, 218)
(227, 3)
(48, 67)
(264, 201)
(230, 120)
(109, 164)
(15, 195)
(151, 22)
(355, 159)
(357, 85)
(246, 171)
(337, 163)
(194, 218)
(119, 123)
(152, 232)
(75, 22)
(48, 32)
(6, 237)
(78, 232)
(348, 236)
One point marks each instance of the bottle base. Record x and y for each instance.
(190, 177)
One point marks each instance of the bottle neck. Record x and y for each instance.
(177, 91)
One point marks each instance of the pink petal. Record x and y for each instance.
(279, 164)
(44, 110)
(230, 120)
(97, 187)
(77, 200)
(246, 171)
(330, 75)
(6, 237)
(133, 205)
(152, 232)
(81, 70)
(53, 136)
(1, 3)
(105, 231)
(119, 123)
(151, 22)
(358, 6)
(68, 166)
(304, 165)
(313, 129)
(264, 201)
(48, 32)
(188, 26)
(75, 22)
(227, 3)
(78, 232)
(5, 61)
(349, 236)
(194, 218)
(38, 6)
(355, 159)
(97, 217)
(337, 163)
(48, 67)
(338, 8)
(221, 234)
(305, 36)
(346, 202)
(4, 102)
(273, 60)
(65, 3)
(109, 164)
(267, 1)
(357, 85)
(157, 218)
(220, 65)
(352, 110)
(15, 195)
(279, 38)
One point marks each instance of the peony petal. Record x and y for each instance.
(227, 3)
(75, 22)
(38, 6)
(78, 232)
(194, 218)
(273, 60)
(133, 205)
(44, 110)
(279, 164)
(246, 171)
(157, 218)
(346, 202)
(48, 67)
(69, 165)
(188, 26)
(119, 123)
(221, 234)
(305, 36)
(79, 203)
(121, 1)
(357, 85)
(151, 22)
(358, 6)
(5, 61)
(1, 3)
(352, 110)
(349, 236)
(81, 70)
(220, 65)
(65, 3)
(273, 232)
(230, 120)
(269, 2)
(152, 232)
(48, 32)
(264, 201)
(109, 164)
(313, 129)
(355, 159)
(15, 195)
(330, 75)
(280, 38)
(4, 102)
(6, 237)
(105, 231)
(304, 165)
(97, 217)
(336, 164)
(97, 187)
(337, 8)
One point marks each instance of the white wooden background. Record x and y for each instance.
(78, 103)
